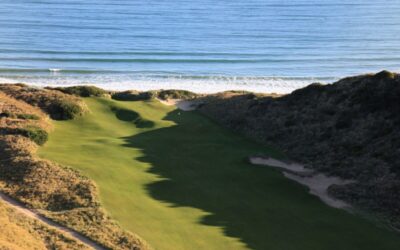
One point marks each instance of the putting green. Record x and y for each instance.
(182, 182)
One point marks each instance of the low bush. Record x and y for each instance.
(65, 109)
(384, 75)
(175, 94)
(82, 91)
(132, 95)
(27, 116)
(37, 135)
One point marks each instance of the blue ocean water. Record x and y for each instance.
(204, 45)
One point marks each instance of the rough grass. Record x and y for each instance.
(18, 232)
(19, 118)
(58, 105)
(184, 183)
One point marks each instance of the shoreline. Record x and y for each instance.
(197, 84)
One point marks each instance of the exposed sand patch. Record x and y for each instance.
(317, 183)
(184, 105)
(33, 214)
(286, 166)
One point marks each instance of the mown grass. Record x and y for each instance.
(182, 182)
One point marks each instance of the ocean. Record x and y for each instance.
(204, 46)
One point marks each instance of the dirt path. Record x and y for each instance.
(32, 214)
(317, 183)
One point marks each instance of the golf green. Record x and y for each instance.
(180, 181)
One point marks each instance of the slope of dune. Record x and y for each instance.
(349, 129)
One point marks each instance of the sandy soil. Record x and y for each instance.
(184, 105)
(316, 182)
(287, 166)
(32, 214)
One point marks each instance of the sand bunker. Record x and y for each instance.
(286, 166)
(184, 105)
(317, 183)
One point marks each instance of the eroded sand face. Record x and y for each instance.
(317, 183)
(184, 105)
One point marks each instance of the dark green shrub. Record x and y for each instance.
(37, 135)
(65, 110)
(83, 91)
(5, 114)
(176, 94)
(311, 90)
(384, 75)
(8, 114)
(132, 95)
(28, 116)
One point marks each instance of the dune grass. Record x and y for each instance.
(20, 232)
(181, 182)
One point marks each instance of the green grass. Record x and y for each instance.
(181, 182)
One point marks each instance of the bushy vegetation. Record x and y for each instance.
(82, 91)
(8, 114)
(37, 135)
(58, 105)
(132, 95)
(65, 109)
(28, 116)
(349, 129)
(175, 94)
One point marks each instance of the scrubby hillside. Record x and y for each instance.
(349, 129)
(59, 192)
(19, 232)
(58, 105)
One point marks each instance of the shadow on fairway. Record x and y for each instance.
(128, 115)
(205, 167)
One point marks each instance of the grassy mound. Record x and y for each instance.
(19, 118)
(58, 105)
(132, 95)
(82, 91)
(23, 175)
(184, 183)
